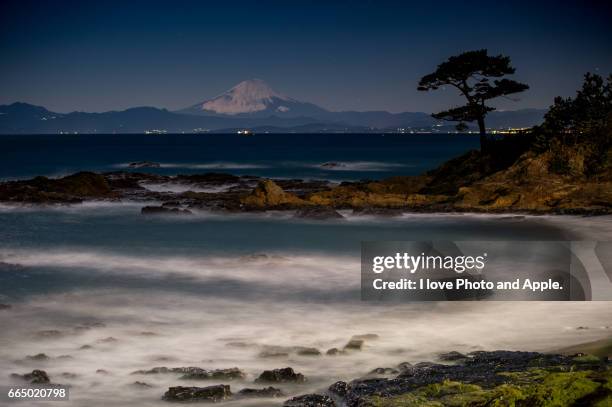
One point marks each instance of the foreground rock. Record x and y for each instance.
(284, 375)
(310, 400)
(35, 377)
(499, 378)
(211, 393)
(266, 392)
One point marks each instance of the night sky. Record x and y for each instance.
(349, 55)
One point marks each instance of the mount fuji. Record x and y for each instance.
(255, 98)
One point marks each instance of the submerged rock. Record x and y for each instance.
(335, 352)
(162, 210)
(264, 393)
(141, 385)
(36, 376)
(384, 371)
(218, 374)
(211, 393)
(280, 376)
(310, 400)
(38, 357)
(144, 164)
(354, 344)
(318, 213)
(4, 307)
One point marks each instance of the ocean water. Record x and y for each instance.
(361, 156)
(214, 291)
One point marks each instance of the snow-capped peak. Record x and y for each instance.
(248, 96)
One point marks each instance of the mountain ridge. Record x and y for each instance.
(251, 104)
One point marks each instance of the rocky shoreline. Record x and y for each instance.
(481, 378)
(465, 184)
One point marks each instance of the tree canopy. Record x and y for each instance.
(473, 73)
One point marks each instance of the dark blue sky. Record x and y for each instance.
(362, 55)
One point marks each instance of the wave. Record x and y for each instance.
(205, 166)
(358, 166)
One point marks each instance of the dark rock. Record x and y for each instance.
(265, 392)
(280, 376)
(211, 393)
(84, 347)
(38, 357)
(384, 371)
(354, 344)
(37, 376)
(451, 356)
(335, 352)
(4, 307)
(49, 334)
(144, 164)
(332, 164)
(273, 354)
(308, 352)
(219, 374)
(141, 384)
(318, 213)
(102, 371)
(68, 375)
(339, 389)
(404, 365)
(161, 210)
(481, 368)
(109, 339)
(310, 400)
(366, 337)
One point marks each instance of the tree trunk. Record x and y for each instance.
(483, 133)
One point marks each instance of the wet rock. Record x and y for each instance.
(144, 164)
(273, 354)
(354, 344)
(147, 333)
(219, 374)
(141, 385)
(404, 366)
(38, 357)
(332, 165)
(308, 352)
(310, 400)
(68, 375)
(211, 393)
(65, 357)
(339, 389)
(102, 371)
(4, 307)
(85, 347)
(335, 352)
(365, 337)
(280, 376)
(481, 368)
(36, 376)
(264, 393)
(267, 194)
(162, 210)
(48, 334)
(384, 371)
(451, 356)
(318, 213)
(109, 339)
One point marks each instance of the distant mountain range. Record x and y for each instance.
(249, 105)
